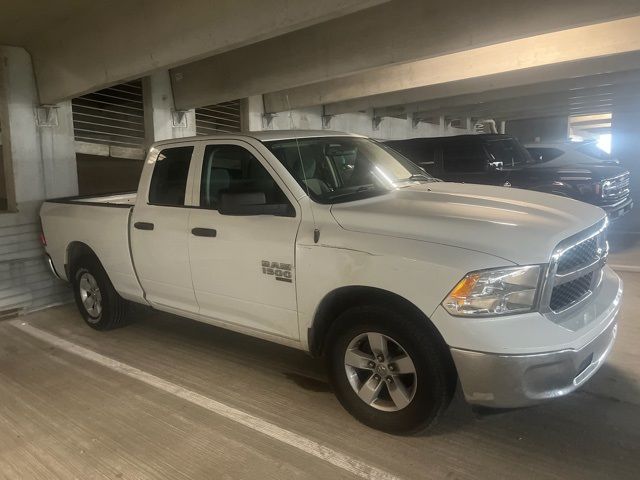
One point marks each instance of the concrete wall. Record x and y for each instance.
(551, 129)
(98, 174)
(359, 122)
(3, 182)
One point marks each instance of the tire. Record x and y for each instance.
(98, 302)
(419, 398)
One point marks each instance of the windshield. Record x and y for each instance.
(340, 169)
(507, 153)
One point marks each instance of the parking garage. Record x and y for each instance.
(87, 90)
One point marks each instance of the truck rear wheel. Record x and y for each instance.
(389, 370)
(99, 303)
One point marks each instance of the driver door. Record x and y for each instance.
(243, 266)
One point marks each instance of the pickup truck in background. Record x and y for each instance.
(495, 159)
(337, 245)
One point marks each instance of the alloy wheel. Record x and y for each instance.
(380, 371)
(90, 295)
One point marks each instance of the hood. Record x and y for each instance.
(518, 225)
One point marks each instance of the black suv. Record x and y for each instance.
(494, 159)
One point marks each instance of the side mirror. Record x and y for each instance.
(495, 166)
(252, 203)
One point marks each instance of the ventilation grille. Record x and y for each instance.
(569, 293)
(224, 117)
(617, 188)
(579, 256)
(577, 270)
(112, 116)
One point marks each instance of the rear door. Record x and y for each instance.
(243, 266)
(160, 226)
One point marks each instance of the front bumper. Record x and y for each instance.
(506, 381)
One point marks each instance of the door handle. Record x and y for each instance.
(204, 232)
(143, 225)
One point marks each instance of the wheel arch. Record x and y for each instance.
(75, 251)
(343, 298)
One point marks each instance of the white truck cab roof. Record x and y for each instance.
(263, 136)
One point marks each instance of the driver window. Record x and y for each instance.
(233, 169)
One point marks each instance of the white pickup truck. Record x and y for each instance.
(337, 245)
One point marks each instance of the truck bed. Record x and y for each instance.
(126, 199)
(100, 222)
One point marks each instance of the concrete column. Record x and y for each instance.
(252, 114)
(161, 120)
(22, 158)
(58, 153)
(39, 161)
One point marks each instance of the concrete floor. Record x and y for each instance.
(625, 250)
(63, 416)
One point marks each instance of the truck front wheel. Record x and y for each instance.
(389, 371)
(99, 303)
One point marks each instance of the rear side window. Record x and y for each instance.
(463, 157)
(169, 180)
(233, 169)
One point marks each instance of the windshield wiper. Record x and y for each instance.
(363, 188)
(417, 176)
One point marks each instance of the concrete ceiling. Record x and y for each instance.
(22, 21)
(566, 53)
(395, 46)
(78, 46)
(515, 58)
(573, 96)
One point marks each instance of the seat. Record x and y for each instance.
(218, 181)
(305, 173)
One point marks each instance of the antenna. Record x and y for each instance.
(316, 230)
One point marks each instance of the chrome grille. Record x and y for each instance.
(574, 271)
(582, 254)
(570, 292)
(616, 188)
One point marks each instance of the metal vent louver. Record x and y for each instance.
(223, 117)
(111, 116)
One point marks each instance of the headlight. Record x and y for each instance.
(501, 291)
